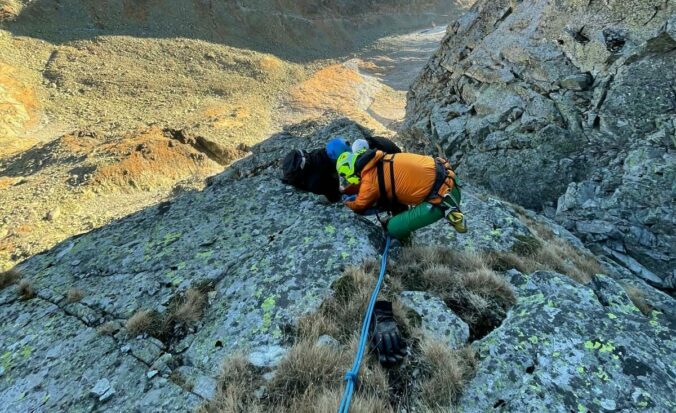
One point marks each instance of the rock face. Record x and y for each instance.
(567, 107)
(438, 321)
(268, 254)
(287, 28)
(569, 348)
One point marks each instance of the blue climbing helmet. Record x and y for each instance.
(336, 146)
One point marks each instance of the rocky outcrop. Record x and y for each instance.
(569, 348)
(267, 255)
(267, 252)
(566, 107)
(292, 29)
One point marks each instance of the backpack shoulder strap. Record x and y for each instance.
(386, 200)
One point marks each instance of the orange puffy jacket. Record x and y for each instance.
(414, 177)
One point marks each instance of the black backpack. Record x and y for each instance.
(293, 167)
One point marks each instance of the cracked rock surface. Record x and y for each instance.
(567, 107)
(269, 255)
(565, 347)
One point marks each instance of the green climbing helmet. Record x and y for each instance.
(345, 167)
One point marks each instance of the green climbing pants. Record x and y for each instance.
(402, 225)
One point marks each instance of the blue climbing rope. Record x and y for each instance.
(351, 375)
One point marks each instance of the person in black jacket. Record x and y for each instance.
(376, 143)
(315, 171)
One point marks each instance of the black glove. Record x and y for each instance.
(385, 337)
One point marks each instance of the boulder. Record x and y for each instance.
(437, 320)
(567, 347)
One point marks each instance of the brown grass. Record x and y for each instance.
(307, 370)
(26, 290)
(310, 378)
(18, 102)
(74, 295)
(342, 314)
(183, 311)
(186, 383)
(108, 328)
(143, 321)
(637, 296)
(477, 294)
(446, 371)
(329, 400)
(337, 88)
(9, 277)
(545, 251)
(238, 383)
(192, 306)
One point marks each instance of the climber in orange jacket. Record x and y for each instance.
(384, 180)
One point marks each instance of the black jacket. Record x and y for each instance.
(382, 144)
(318, 175)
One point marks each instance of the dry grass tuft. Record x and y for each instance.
(9, 277)
(238, 385)
(192, 306)
(310, 378)
(26, 290)
(307, 370)
(75, 295)
(329, 400)
(143, 321)
(446, 371)
(237, 389)
(546, 251)
(463, 280)
(553, 255)
(183, 311)
(108, 328)
(637, 296)
(341, 315)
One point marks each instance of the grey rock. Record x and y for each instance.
(579, 82)
(100, 388)
(205, 387)
(145, 350)
(493, 226)
(267, 356)
(301, 247)
(327, 341)
(269, 376)
(163, 364)
(438, 321)
(151, 374)
(107, 395)
(635, 267)
(566, 347)
(600, 145)
(53, 214)
(259, 393)
(270, 254)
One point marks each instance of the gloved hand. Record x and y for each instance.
(347, 198)
(385, 337)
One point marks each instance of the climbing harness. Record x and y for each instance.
(351, 375)
(386, 201)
